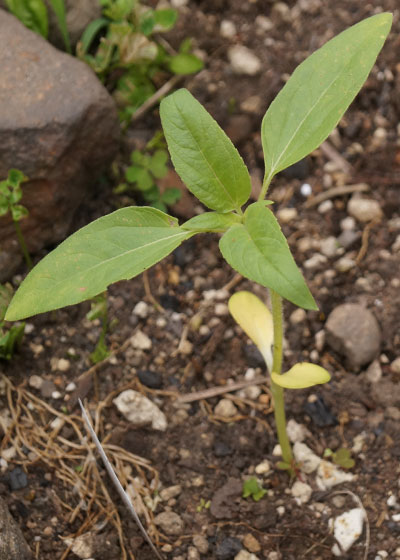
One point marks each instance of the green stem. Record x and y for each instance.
(23, 246)
(276, 390)
(266, 183)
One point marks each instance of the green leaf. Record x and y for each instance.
(166, 19)
(211, 221)
(185, 63)
(251, 487)
(140, 176)
(301, 376)
(59, 11)
(147, 22)
(318, 93)
(342, 457)
(158, 164)
(32, 13)
(18, 212)
(258, 250)
(6, 293)
(256, 320)
(91, 33)
(115, 247)
(170, 196)
(10, 341)
(203, 155)
(15, 177)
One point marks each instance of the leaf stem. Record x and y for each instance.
(266, 183)
(276, 390)
(23, 246)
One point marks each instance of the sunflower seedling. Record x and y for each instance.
(123, 244)
(252, 487)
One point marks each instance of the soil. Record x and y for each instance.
(65, 494)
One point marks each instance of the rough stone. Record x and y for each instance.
(353, 332)
(201, 543)
(395, 365)
(139, 410)
(329, 475)
(308, 461)
(251, 543)
(169, 522)
(12, 543)
(59, 126)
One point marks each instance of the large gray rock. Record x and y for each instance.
(353, 332)
(12, 543)
(79, 13)
(58, 125)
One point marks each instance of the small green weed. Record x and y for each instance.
(10, 338)
(253, 488)
(342, 457)
(123, 47)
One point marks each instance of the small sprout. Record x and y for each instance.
(252, 487)
(256, 320)
(203, 505)
(341, 457)
(301, 376)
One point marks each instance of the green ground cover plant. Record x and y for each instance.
(130, 240)
(125, 49)
(147, 167)
(10, 338)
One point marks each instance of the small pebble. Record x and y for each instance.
(141, 341)
(348, 223)
(227, 29)
(245, 555)
(301, 492)
(193, 553)
(225, 408)
(150, 379)
(170, 523)
(141, 309)
(329, 246)
(316, 261)
(395, 365)
(306, 189)
(70, 387)
(251, 543)
(63, 364)
(325, 206)
(298, 316)
(262, 468)
(347, 529)
(56, 395)
(170, 492)
(243, 60)
(364, 209)
(287, 215)
(221, 309)
(35, 381)
(295, 431)
(201, 543)
(344, 264)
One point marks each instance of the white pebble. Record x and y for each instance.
(70, 387)
(264, 23)
(227, 29)
(347, 529)
(141, 341)
(348, 224)
(301, 492)
(325, 206)
(364, 209)
(225, 408)
(243, 60)
(298, 316)
(263, 468)
(56, 395)
(344, 264)
(315, 261)
(329, 246)
(35, 381)
(63, 364)
(296, 431)
(307, 459)
(287, 215)
(306, 189)
(329, 475)
(140, 410)
(221, 309)
(141, 309)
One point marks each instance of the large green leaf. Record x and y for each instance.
(318, 93)
(258, 250)
(61, 16)
(112, 248)
(203, 155)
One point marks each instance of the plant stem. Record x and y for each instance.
(277, 391)
(266, 183)
(23, 246)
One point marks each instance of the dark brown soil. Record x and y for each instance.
(208, 456)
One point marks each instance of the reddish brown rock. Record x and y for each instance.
(58, 125)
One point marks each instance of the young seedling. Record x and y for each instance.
(252, 487)
(99, 310)
(10, 195)
(149, 166)
(10, 338)
(128, 241)
(341, 457)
